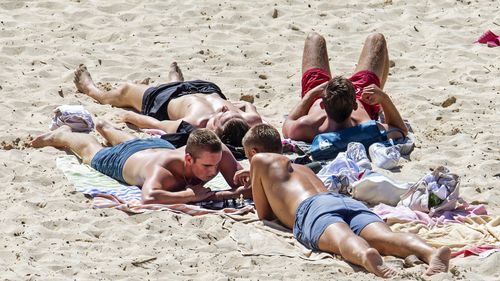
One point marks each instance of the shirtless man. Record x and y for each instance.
(329, 105)
(167, 175)
(198, 103)
(324, 221)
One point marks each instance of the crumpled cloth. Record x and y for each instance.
(74, 116)
(489, 38)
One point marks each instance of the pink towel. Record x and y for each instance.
(489, 38)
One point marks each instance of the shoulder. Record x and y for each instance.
(304, 128)
(269, 159)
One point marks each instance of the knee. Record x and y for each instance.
(377, 39)
(315, 38)
(123, 89)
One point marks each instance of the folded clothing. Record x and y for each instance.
(74, 116)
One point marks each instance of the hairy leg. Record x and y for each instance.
(339, 239)
(315, 54)
(127, 95)
(83, 145)
(381, 237)
(175, 73)
(375, 57)
(111, 134)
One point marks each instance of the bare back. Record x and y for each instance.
(282, 185)
(317, 122)
(139, 166)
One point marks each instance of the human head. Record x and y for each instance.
(203, 154)
(229, 126)
(262, 138)
(233, 131)
(339, 99)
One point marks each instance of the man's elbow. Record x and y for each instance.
(291, 131)
(286, 129)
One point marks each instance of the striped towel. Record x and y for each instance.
(109, 193)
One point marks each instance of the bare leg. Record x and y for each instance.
(83, 145)
(315, 54)
(338, 238)
(175, 74)
(375, 57)
(381, 237)
(127, 95)
(111, 134)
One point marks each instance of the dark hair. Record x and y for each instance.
(339, 99)
(201, 140)
(232, 131)
(265, 137)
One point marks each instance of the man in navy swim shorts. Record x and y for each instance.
(324, 221)
(166, 175)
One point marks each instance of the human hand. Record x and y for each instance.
(242, 177)
(372, 94)
(239, 104)
(200, 193)
(318, 90)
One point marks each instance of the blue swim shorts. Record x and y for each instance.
(110, 160)
(317, 212)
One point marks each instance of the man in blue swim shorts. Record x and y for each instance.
(166, 175)
(198, 103)
(324, 221)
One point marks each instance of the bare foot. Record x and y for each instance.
(440, 261)
(373, 262)
(102, 125)
(83, 81)
(50, 138)
(175, 74)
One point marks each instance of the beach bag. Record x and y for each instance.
(327, 145)
(437, 191)
(374, 188)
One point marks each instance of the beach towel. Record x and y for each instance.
(460, 229)
(109, 193)
(481, 251)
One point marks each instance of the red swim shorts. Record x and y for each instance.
(316, 76)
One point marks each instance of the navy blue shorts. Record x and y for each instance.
(156, 99)
(110, 160)
(318, 212)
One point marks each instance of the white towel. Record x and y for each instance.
(74, 116)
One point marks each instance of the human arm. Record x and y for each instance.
(298, 124)
(231, 194)
(372, 95)
(228, 167)
(242, 177)
(159, 188)
(147, 122)
(258, 167)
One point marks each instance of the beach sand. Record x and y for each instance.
(50, 232)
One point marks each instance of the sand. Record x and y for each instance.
(50, 232)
